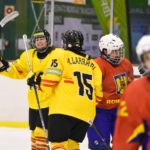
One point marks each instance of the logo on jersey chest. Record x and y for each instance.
(121, 83)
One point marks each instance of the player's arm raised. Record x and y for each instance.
(17, 69)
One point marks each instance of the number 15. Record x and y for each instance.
(83, 82)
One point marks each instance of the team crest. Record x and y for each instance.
(121, 83)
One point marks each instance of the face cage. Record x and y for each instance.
(116, 60)
(143, 70)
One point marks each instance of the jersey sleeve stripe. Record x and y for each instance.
(68, 81)
(49, 81)
(48, 85)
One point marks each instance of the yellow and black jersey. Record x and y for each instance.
(19, 69)
(74, 83)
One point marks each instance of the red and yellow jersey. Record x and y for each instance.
(133, 113)
(20, 70)
(74, 83)
(114, 81)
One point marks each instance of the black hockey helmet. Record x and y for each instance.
(72, 40)
(41, 33)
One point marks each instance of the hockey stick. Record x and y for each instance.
(8, 18)
(35, 91)
(100, 135)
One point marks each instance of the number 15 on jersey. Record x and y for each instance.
(84, 86)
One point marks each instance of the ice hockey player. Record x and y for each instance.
(19, 69)
(74, 81)
(117, 73)
(133, 121)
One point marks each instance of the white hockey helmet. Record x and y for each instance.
(143, 46)
(111, 42)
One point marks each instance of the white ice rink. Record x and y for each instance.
(19, 139)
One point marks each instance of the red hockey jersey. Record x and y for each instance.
(114, 81)
(133, 114)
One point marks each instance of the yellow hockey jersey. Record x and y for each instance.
(74, 83)
(20, 70)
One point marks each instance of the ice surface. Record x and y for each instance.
(19, 139)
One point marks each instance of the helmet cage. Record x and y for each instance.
(111, 43)
(116, 60)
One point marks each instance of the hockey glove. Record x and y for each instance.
(35, 79)
(4, 65)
